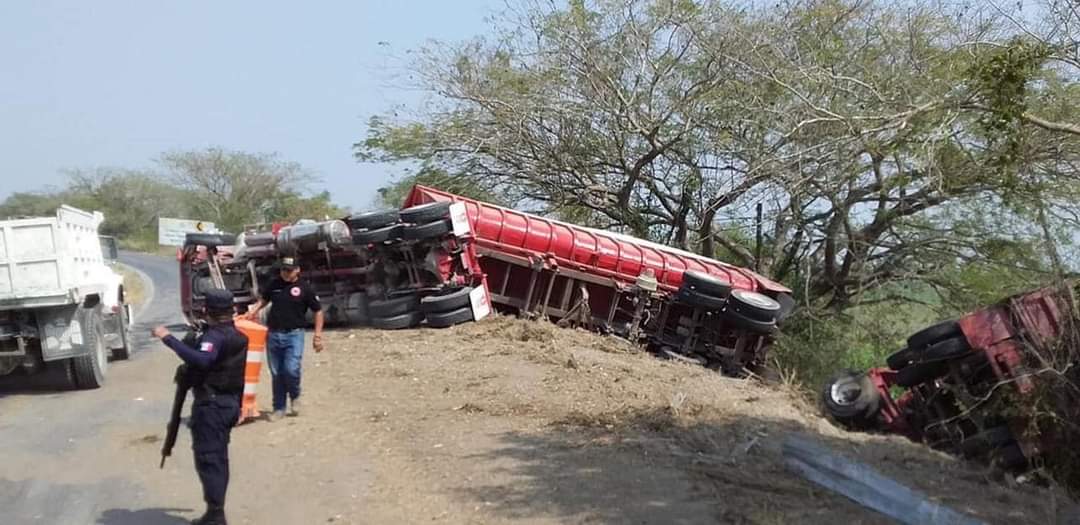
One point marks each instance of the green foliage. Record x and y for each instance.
(228, 188)
(891, 145)
(23, 204)
(1001, 80)
(292, 206)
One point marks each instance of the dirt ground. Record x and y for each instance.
(509, 421)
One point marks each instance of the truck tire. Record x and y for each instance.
(124, 352)
(703, 282)
(451, 318)
(90, 369)
(372, 219)
(754, 305)
(900, 358)
(746, 323)
(430, 230)
(66, 369)
(945, 349)
(918, 373)
(851, 399)
(388, 233)
(700, 299)
(928, 336)
(425, 213)
(398, 322)
(393, 306)
(447, 300)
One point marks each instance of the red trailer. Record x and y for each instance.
(680, 304)
(942, 387)
(439, 248)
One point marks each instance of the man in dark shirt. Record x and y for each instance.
(214, 367)
(290, 299)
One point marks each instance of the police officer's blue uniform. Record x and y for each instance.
(216, 372)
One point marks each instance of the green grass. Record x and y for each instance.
(814, 348)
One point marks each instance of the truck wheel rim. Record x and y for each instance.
(845, 392)
(756, 299)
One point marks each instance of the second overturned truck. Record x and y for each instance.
(1000, 384)
(444, 259)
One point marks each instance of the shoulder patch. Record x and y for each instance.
(207, 347)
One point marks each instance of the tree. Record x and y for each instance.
(292, 206)
(233, 188)
(131, 200)
(869, 133)
(27, 204)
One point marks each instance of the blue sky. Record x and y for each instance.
(116, 83)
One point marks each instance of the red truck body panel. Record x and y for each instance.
(1004, 335)
(592, 251)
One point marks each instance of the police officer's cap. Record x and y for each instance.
(219, 300)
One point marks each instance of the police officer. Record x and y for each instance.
(215, 370)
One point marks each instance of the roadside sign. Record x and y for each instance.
(171, 232)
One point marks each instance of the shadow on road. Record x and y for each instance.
(142, 517)
(631, 467)
(52, 380)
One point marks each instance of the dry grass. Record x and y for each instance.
(562, 389)
(134, 285)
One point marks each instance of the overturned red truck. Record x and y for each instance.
(957, 385)
(444, 259)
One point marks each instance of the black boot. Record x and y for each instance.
(213, 516)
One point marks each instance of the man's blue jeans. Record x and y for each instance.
(284, 350)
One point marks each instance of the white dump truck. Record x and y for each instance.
(61, 303)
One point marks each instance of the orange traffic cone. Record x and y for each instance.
(256, 334)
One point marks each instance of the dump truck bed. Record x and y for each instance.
(50, 261)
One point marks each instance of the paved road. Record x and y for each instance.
(90, 457)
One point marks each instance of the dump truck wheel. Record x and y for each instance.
(427, 231)
(425, 213)
(393, 306)
(919, 373)
(700, 299)
(946, 349)
(398, 322)
(753, 305)
(703, 282)
(899, 359)
(372, 219)
(928, 336)
(451, 318)
(752, 325)
(446, 301)
(851, 399)
(66, 368)
(387, 233)
(90, 369)
(124, 352)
